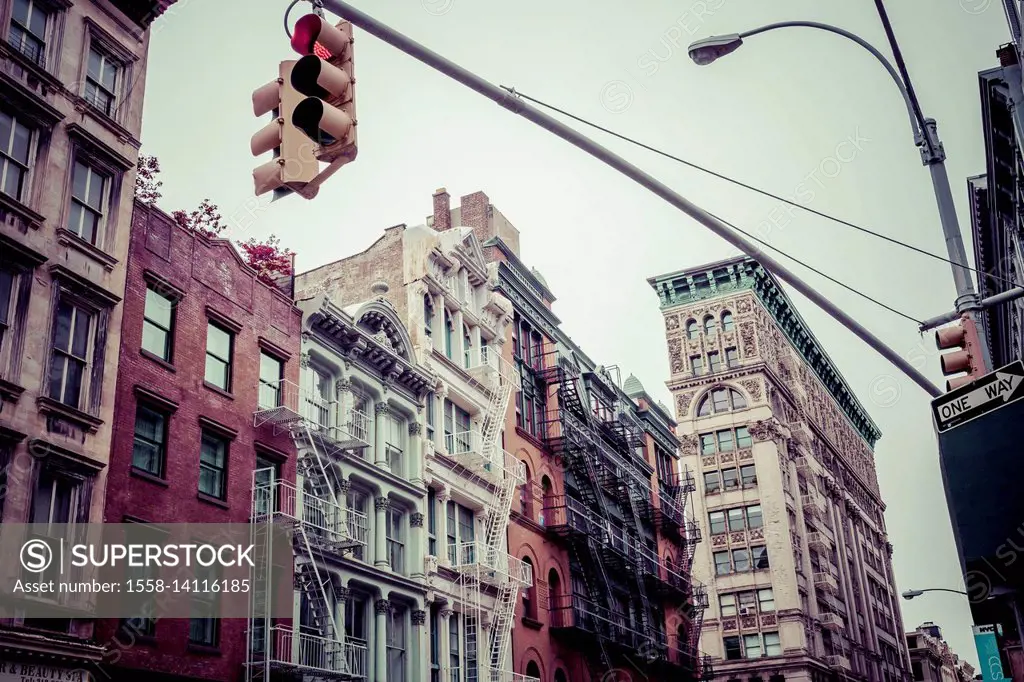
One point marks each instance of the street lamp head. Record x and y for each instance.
(910, 594)
(707, 50)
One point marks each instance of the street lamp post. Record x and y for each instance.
(910, 594)
(926, 138)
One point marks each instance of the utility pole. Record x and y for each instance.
(508, 100)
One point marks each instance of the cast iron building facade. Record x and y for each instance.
(797, 551)
(72, 78)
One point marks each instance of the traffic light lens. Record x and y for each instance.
(307, 30)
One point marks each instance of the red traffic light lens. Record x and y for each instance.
(307, 30)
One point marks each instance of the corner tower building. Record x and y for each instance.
(797, 555)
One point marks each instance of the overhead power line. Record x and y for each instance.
(739, 183)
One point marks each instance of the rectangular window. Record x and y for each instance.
(431, 419)
(722, 565)
(158, 324)
(467, 532)
(732, 358)
(727, 604)
(267, 473)
(729, 480)
(101, 77)
(748, 476)
(395, 432)
(454, 652)
(150, 450)
(203, 628)
(760, 554)
(428, 314)
(88, 201)
(715, 361)
(358, 501)
(55, 499)
(15, 137)
(725, 441)
(707, 444)
(69, 362)
(698, 365)
(752, 646)
(717, 522)
(732, 648)
(28, 30)
(396, 644)
(735, 519)
(741, 560)
(8, 292)
(772, 644)
(435, 644)
(448, 331)
(766, 600)
(219, 343)
(754, 518)
(396, 540)
(271, 376)
(431, 522)
(712, 482)
(213, 462)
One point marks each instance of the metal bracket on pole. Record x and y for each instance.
(991, 301)
(577, 139)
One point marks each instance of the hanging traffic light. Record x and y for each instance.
(324, 74)
(962, 335)
(295, 162)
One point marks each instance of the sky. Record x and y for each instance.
(798, 112)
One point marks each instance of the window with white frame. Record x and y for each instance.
(467, 347)
(27, 33)
(358, 501)
(271, 375)
(101, 80)
(395, 534)
(158, 324)
(15, 149)
(461, 531)
(219, 346)
(428, 314)
(318, 401)
(457, 434)
(449, 331)
(213, 465)
(396, 638)
(431, 522)
(89, 194)
(149, 450)
(396, 432)
(69, 361)
(431, 418)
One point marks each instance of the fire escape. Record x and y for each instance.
(485, 567)
(322, 527)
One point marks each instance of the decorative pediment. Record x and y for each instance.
(380, 319)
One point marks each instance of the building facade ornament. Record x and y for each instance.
(415, 428)
(382, 504)
(304, 360)
(416, 520)
(382, 606)
(446, 613)
(766, 430)
(419, 617)
(381, 409)
(343, 385)
(753, 387)
(343, 593)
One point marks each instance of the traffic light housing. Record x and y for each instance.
(324, 74)
(962, 335)
(295, 162)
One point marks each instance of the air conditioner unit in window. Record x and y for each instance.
(748, 611)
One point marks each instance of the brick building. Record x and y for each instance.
(797, 553)
(599, 518)
(204, 345)
(72, 79)
(931, 659)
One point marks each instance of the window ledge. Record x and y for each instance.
(86, 421)
(124, 136)
(147, 476)
(203, 649)
(157, 359)
(37, 71)
(210, 499)
(218, 390)
(10, 391)
(9, 204)
(69, 238)
(532, 623)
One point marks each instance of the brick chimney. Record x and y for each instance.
(442, 210)
(475, 212)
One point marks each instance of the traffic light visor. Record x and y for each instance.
(314, 77)
(312, 29)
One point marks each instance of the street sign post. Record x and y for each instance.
(976, 399)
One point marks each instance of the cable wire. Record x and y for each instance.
(749, 187)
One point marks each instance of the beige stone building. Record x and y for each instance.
(796, 557)
(72, 78)
(931, 659)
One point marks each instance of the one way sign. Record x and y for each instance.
(979, 397)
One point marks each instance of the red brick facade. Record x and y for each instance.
(209, 282)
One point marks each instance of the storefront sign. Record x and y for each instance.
(33, 672)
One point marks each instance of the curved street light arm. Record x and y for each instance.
(919, 138)
(918, 593)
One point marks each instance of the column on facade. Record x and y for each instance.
(437, 328)
(343, 594)
(418, 655)
(416, 451)
(380, 425)
(476, 357)
(343, 404)
(442, 497)
(344, 485)
(380, 643)
(444, 635)
(439, 440)
(380, 544)
(417, 549)
(458, 343)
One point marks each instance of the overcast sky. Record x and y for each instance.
(774, 114)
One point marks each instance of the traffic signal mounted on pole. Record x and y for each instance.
(325, 76)
(962, 335)
(313, 104)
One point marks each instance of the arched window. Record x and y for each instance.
(524, 492)
(727, 323)
(428, 314)
(720, 400)
(560, 676)
(529, 603)
(709, 325)
(692, 331)
(467, 345)
(532, 670)
(546, 502)
(555, 601)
